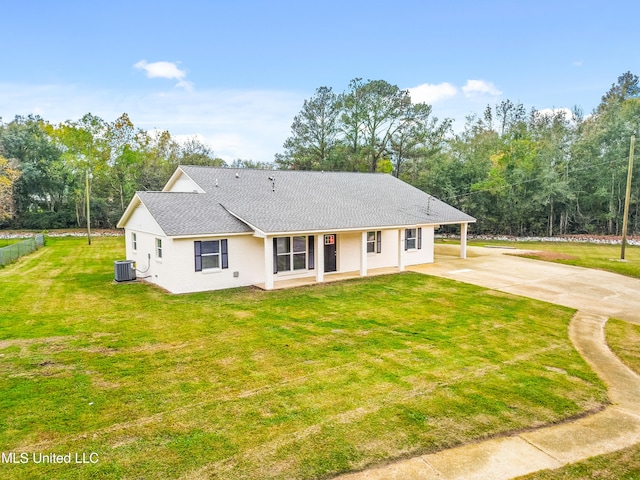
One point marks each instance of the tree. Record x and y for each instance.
(122, 142)
(157, 159)
(372, 113)
(314, 134)
(600, 160)
(511, 115)
(554, 134)
(240, 163)
(86, 153)
(8, 176)
(627, 87)
(194, 152)
(418, 137)
(41, 189)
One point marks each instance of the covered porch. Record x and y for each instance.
(319, 257)
(329, 277)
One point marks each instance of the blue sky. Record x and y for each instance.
(234, 74)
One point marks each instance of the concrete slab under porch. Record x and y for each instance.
(328, 277)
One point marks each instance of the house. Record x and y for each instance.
(215, 228)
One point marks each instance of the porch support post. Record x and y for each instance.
(268, 263)
(363, 255)
(463, 239)
(401, 249)
(319, 258)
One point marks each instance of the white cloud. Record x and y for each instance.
(577, 63)
(551, 112)
(432, 93)
(474, 88)
(165, 70)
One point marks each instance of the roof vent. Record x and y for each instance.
(237, 175)
(273, 182)
(217, 183)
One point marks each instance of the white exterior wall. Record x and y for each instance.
(175, 271)
(183, 184)
(245, 255)
(349, 245)
(348, 251)
(147, 230)
(423, 255)
(388, 256)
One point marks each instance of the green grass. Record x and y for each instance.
(624, 339)
(588, 255)
(5, 242)
(245, 384)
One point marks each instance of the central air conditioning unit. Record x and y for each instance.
(124, 271)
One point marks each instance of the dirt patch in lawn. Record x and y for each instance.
(544, 255)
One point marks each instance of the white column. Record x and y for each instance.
(363, 255)
(401, 249)
(319, 258)
(268, 263)
(463, 239)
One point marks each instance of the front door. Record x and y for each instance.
(330, 241)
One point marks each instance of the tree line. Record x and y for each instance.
(45, 168)
(518, 172)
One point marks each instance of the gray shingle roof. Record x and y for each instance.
(302, 201)
(190, 214)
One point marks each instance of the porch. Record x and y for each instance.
(328, 277)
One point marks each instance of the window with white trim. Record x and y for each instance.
(211, 255)
(158, 248)
(293, 253)
(134, 241)
(374, 242)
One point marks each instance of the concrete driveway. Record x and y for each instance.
(587, 290)
(597, 296)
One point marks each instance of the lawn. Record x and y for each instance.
(624, 339)
(588, 255)
(246, 384)
(5, 242)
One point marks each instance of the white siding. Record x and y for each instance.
(183, 184)
(148, 266)
(423, 255)
(142, 221)
(388, 256)
(349, 251)
(147, 230)
(175, 271)
(245, 257)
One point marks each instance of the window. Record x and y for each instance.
(211, 255)
(413, 238)
(134, 241)
(158, 248)
(374, 242)
(292, 253)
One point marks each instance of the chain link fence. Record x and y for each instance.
(16, 250)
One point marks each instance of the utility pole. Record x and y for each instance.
(627, 198)
(86, 188)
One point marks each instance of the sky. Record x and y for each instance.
(234, 74)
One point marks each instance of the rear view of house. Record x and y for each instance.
(215, 228)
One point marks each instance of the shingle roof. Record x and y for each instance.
(302, 201)
(190, 214)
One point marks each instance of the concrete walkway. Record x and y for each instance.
(598, 296)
